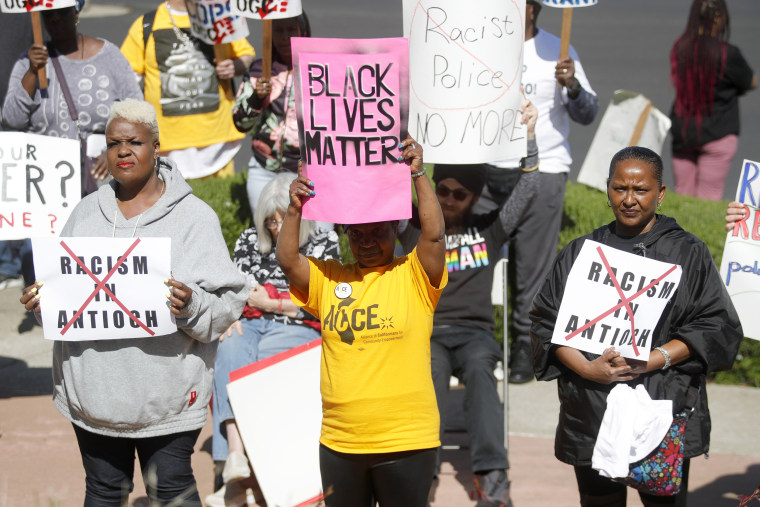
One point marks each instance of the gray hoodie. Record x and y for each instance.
(146, 387)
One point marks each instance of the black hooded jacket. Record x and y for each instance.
(700, 314)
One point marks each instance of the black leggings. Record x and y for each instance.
(109, 464)
(394, 479)
(598, 491)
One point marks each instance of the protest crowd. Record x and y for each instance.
(369, 239)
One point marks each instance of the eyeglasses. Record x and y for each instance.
(272, 223)
(459, 194)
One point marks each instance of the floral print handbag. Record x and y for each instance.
(661, 472)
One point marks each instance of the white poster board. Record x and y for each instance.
(213, 22)
(611, 296)
(266, 9)
(103, 288)
(278, 410)
(20, 6)
(39, 184)
(616, 131)
(465, 69)
(739, 266)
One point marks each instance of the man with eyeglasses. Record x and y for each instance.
(463, 341)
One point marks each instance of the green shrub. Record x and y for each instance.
(585, 210)
(226, 196)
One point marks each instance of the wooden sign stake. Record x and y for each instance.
(266, 48)
(37, 30)
(640, 124)
(226, 83)
(567, 25)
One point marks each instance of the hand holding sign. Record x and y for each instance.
(739, 267)
(179, 295)
(31, 298)
(609, 367)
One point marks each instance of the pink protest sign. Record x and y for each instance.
(352, 105)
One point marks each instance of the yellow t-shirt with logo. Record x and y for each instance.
(376, 384)
(181, 83)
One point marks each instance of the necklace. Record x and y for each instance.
(134, 231)
(81, 38)
(181, 36)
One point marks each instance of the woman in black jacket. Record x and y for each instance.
(698, 332)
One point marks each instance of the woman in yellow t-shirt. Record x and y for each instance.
(379, 413)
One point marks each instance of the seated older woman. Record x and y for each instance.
(271, 323)
(148, 396)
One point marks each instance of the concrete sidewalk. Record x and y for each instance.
(40, 463)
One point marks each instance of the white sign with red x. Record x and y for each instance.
(614, 299)
(103, 288)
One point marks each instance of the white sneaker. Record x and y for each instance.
(232, 495)
(235, 468)
(8, 282)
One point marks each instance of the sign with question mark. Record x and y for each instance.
(39, 184)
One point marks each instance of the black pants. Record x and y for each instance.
(395, 479)
(109, 464)
(598, 491)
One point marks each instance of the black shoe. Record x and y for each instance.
(492, 489)
(521, 365)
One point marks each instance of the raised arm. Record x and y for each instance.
(294, 265)
(431, 245)
(516, 204)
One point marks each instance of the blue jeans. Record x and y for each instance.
(262, 338)
(16, 259)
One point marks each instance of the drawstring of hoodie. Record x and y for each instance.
(115, 215)
(137, 222)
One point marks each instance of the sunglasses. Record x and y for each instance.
(272, 223)
(459, 194)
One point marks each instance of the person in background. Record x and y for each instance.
(141, 395)
(462, 342)
(271, 323)
(379, 416)
(561, 92)
(93, 70)
(698, 332)
(709, 75)
(266, 109)
(15, 255)
(182, 81)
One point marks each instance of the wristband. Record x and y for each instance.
(418, 174)
(666, 355)
(279, 306)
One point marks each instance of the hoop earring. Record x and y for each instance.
(659, 206)
(609, 204)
